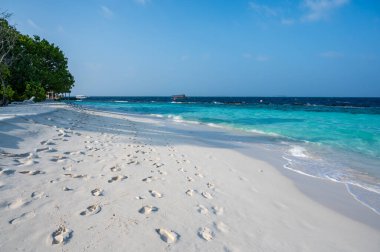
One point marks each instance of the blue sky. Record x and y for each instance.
(212, 47)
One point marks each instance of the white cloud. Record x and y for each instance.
(321, 9)
(107, 12)
(262, 9)
(331, 55)
(32, 24)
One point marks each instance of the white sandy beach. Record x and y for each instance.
(80, 180)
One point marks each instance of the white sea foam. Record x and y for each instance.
(121, 101)
(360, 201)
(157, 115)
(214, 125)
(176, 118)
(334, 177)
(287, 166)
(264, 133)
(298, 151)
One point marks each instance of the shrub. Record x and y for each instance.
(35, 89)
(9, 93)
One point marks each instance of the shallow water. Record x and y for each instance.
(331, 138)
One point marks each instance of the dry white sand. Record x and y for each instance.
(78, 180)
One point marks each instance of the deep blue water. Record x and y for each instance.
(332, 138)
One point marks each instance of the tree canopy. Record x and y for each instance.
(31, 60)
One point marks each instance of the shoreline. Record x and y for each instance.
(255, 214)
(276, 163)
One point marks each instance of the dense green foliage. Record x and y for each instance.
(33, 67)
(8, 91)
(35, 89)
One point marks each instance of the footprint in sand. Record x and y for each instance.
(198, 175)
(210, 185)
(189, 179)
(22, 217)
(61, 235)
(202, 209)
(37, 195)
(158, 165)
(115, 169)
(190, 192)
(36, 172)
(7, 172)
(207, 195)
(58, 158)
(20, 155)
(155, 194)
(30, 160)
(148, 209)
(47, 142)
(71, 153)
(66, 189)
(117, 178)
(243, 178)
(149, 179)
(217, 210)
(91, 210)
(220, 226)
(16, 204)
(76, 175)
(162, 172)
(47, 149)
(140, 197)
(97, 192)
(168, 236)
(41, 149)
(131, 162)
(206, 233)
(56, 180)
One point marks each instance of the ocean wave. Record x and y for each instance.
(217, 103)
(176, 118)
(333, 175)
(157, 115)
(360, 200)
(121, 101)
(214, 125)
(298, 151)
(288, 167)
(262, 132)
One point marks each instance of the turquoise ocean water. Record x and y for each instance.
(331, 138)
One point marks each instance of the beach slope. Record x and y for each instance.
(81, 180)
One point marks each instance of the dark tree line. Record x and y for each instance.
(30, 66)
